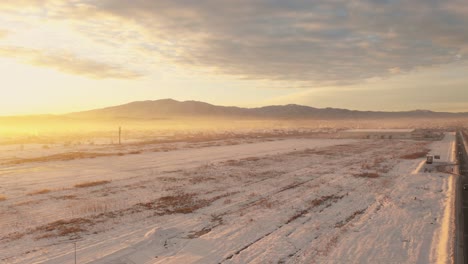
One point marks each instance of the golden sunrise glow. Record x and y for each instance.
(233, 131)
(64, 56)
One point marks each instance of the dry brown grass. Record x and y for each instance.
(297, 215)
(416, 155)
(201, 179)
(168, 179)
(90, 184)
(70, 156)
(233, 162)
(61, 157)
(242, 162)
(65, 197)
(365, 166)
(43, 191)
(178, 203)
(64, 227)
(197, 234)
(91, 207)
(253, 159)
(350, 218)
(216, 220)
(265, 203)
(305, 153)
(367, 175)
(328, 246)
(326, 200)
(13, 236)
(28, 202)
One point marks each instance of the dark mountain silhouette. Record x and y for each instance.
(168, 108)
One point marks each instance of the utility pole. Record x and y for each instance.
(68, 242)
(120, 135)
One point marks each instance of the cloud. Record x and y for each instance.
(3, 33)
(440, 88)
(325, 42)
(69, 63)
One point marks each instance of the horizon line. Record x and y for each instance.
(221, 105)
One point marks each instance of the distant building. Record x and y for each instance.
(378, 133)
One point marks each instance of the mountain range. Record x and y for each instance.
(169, 108)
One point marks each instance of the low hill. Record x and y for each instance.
(168, 108)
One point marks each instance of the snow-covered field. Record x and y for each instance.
(294, 200)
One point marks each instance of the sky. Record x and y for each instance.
(64, 56)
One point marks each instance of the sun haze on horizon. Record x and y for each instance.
(65, 56)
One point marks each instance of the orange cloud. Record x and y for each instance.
(69, 63)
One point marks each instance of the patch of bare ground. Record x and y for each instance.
(265, 203)
(164, 149)
(216, 220)
(304, 153)
(326, 200)
(12, 236)
(65, 197)
(90, 184)
(84, 208)
(59, 228)
(169, 179)
(350, 218)
(215, 139)
(173, 171)
(252, 159)
(331, 243)
(416, 155)
(242, 162)
(29, 202)
(246, 247)
(342, 150)
(197, 234)
(233, 162)
(69, 156)
(201, 179)
(371, 175)
(2, 198)
(178, 203)
(43, 191)
(292, 186)
(61, 157)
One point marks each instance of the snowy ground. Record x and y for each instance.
(279, 201)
